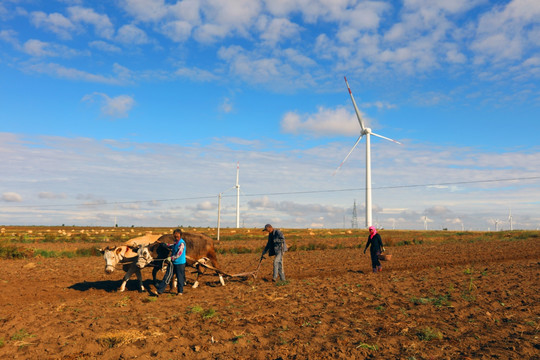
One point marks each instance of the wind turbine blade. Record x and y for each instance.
(349, 154)
(355, 107)
(384, 137)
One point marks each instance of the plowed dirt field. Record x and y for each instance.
(454, 300)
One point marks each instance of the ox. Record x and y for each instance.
(152, 255)
(199, 250)
(125, 256)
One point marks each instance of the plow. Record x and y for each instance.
(205, 262)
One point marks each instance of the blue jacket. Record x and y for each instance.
(178, 254)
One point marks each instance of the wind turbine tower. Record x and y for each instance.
(354, 220)
(237, 196)
(510, 220)
(364, 131)
(496, 224)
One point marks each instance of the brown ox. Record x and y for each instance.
(199, 250)
(125, 256)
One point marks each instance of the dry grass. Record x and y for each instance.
(117, 338)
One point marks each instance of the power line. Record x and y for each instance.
(103, 203)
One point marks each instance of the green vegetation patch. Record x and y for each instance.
(373, 347)
(437, 300)
(18, 252)
(428, 334)
(15, 252)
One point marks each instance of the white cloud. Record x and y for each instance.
(250, 67)
(104, 46)
(282, 70)
(379, 105)
(145, 10)
(361, 14)
(365, 15)
(3, 11)
(196, 74)
(11, 197)
(326, 122)
(50, 195)
(187, 10)
(503, 33)
(224, 17)
(437, 211)
(206, 205)
(61, 71)
(177, 30)
(454, 56)
(39, 48)
(55, 22)
(101, 23)
(132, 35)
(116, 107)
(296, 57)
(176, 21)
(226, 106)
(9, 36)
(274, 31)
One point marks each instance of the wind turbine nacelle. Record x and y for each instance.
(366, 131)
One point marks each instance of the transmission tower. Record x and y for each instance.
(354, 220)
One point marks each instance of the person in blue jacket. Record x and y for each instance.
(275, 247)
(177, 264)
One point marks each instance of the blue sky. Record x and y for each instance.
(140, 110)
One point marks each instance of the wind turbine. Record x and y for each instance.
(237, 187)
(510, 220)
(496, 222)
(364, 131)
(425, 222)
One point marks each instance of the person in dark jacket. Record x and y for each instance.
(377, 247)
(275, 247)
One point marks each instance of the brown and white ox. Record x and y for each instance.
(199, 250)
(126, 257)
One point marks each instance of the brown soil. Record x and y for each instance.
(457, 300)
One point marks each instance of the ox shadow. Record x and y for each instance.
(107, 285)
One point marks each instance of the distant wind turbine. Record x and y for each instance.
(425, 222)
(496, 222)
(237, 187)
(364, 131)
(510, 220)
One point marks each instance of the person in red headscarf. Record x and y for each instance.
(377, 247)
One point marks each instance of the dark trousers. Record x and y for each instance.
(173, 269)
(375, 263)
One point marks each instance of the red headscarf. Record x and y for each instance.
(372, 234)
